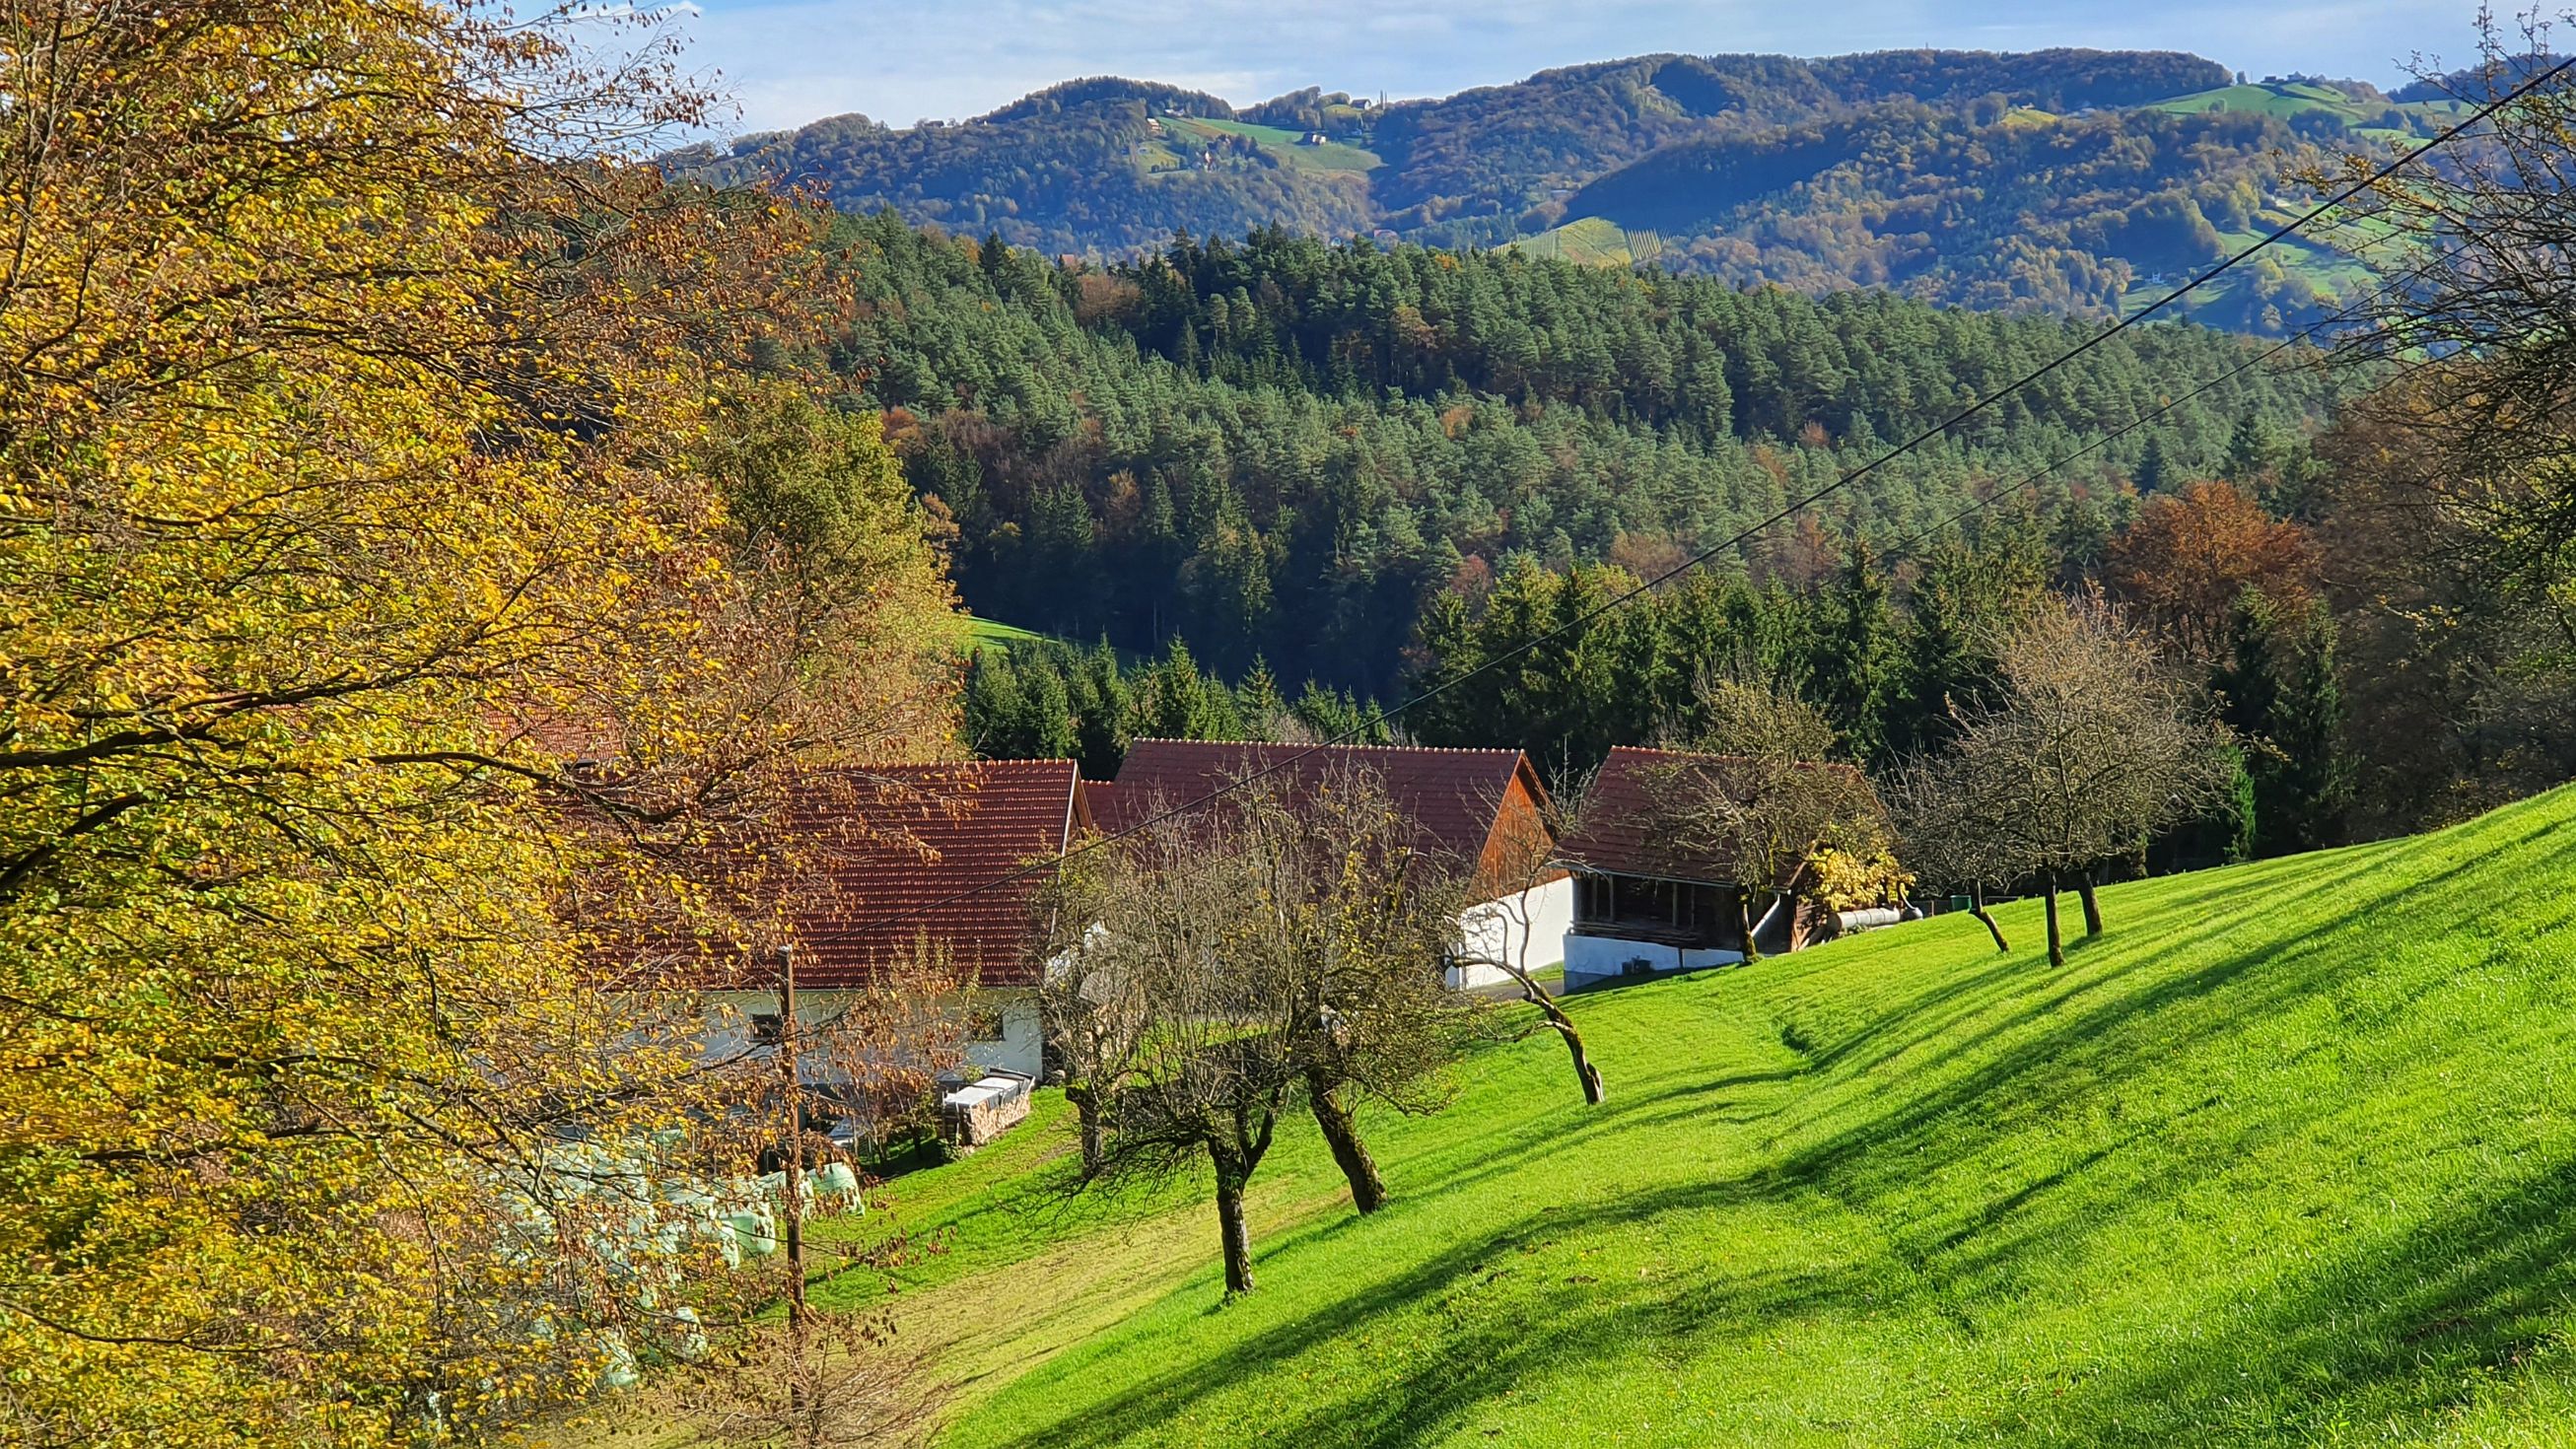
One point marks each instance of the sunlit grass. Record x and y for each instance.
(2285, 1157)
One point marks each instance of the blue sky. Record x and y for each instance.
(786, 62)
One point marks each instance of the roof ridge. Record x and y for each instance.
(1286, 745)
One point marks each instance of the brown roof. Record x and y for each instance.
(1619, 829)
(930, 835)
(1455, 798)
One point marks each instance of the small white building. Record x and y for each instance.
(1646, 904)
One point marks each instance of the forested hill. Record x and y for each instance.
(1284, 448)
(2067, 180)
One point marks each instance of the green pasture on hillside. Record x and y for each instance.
(1330, 156)
(2286, 1157)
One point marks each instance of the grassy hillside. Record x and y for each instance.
(1284, 144)
(1593, 242)
(2285, 1157)
(2289, 99)
(984, 633)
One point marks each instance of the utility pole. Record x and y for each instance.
(795, 1137)
(801, 1395)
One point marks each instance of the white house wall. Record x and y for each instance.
(729, 1017)
(1590, 960)
(1538, 918)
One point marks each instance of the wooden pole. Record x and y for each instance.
(795, 1204)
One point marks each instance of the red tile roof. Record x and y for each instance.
(1617, 831)
(1454, 797)
(926, 835)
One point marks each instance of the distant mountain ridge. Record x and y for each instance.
(2066, 180)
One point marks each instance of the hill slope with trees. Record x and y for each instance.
(2068, 180)
(1284, 450)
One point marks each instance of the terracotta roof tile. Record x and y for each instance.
(1616, 832)
(929, 833)
(1453, 796)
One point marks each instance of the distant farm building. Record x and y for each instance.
(1648, 901)
(915, 857)
(1483, 811)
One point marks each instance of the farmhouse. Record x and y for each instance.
(912, 856)
(1648, 901)
(1482, 809)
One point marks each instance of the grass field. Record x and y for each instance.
(992, 634)
(2287, 1157)
(1330, 156)
(2288, 99)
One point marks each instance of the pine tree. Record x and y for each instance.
(2283, 694)
(1258, 703)
(1854, 652)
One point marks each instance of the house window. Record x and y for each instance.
(764, 1029)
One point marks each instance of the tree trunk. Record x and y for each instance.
(2092, 907)
(1236, 1233)
(2056, 942)
(1584, 1072)
(1342, 1134)
(1977, 908)
(1744, 922)
(1086, 1110)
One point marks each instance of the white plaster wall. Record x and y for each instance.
(1590, 960)
(1538, 917)
(729, 1014)
(1022, 1046)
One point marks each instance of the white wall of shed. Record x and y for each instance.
(729, 1014)
(1538, 917)
(1590, 960)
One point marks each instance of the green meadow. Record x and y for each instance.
(1285, 144)
(2287, 1156)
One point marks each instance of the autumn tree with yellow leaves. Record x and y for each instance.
(410, 615)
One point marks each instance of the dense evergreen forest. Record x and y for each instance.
(2064, 180)
(1285, 450)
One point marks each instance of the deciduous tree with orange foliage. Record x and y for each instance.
(386, 644)
(2191, 556)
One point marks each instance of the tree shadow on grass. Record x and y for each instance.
(2401, 1324)
(1938, 1012)
(2079, 1013)
(1643, 1104)
(1563, 1318)
(2403, 1327)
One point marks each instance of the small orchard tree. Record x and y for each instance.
(1953, 832)
(1525, 861)
(1189, 1031)
(1371, 936)
(1089, 1002)
(1775, 809)
(1208, 975)
(2093, 746)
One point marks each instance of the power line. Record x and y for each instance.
(2383, 292)
(1585, 619)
